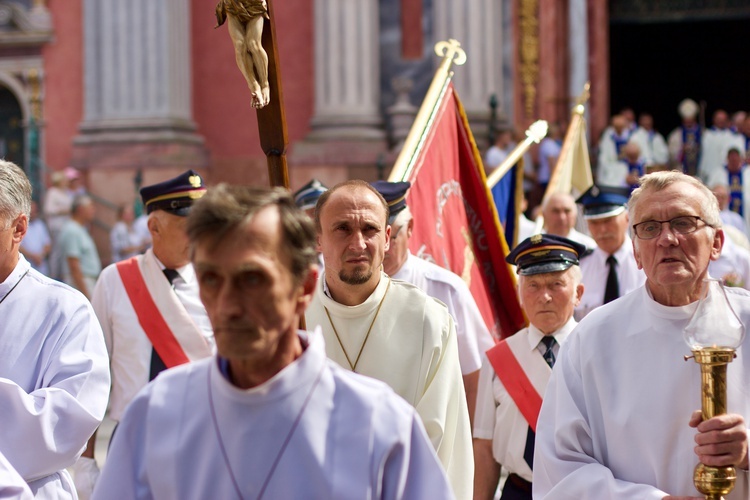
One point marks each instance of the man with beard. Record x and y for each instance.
(269, 416)
(389, 329)
(610, 271)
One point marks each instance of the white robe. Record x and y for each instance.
(12, 485)
(54, 380)
(715, 144)
(128, 346)
(355, 438)
(474, 339)
(614, 421)
(413, 349)
(654, 149)
(720, 177)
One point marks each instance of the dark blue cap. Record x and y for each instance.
(394, 194)
(545, 253)
(600, 202)
(308, 195)
(175, 196)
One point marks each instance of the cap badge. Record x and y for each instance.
(536, 239)
(195, 181)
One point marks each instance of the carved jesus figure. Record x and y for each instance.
(246, 28)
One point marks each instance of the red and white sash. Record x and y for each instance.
(171, 330)
(523, 372)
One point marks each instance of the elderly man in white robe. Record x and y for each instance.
(389, 329)
(54, 379)
(620, 417)
(269, 416)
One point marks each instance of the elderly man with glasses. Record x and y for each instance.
(619, 418)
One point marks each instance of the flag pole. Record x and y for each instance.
(576, 126)
(452, 53)
(534, 134)
(563, 172)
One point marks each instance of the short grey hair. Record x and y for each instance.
(656, 181)
(402, 218)
(226, 207)
(15, 192)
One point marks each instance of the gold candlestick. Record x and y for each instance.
(713, 482)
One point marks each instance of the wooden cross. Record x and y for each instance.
(271, 118)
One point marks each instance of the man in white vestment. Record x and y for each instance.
(715, 145)
(149, 305)
(560, 214)
(389, 329)
(684, 142)
(653, 147)
(399, 263)
(610, 271)
(620, 418)
(54, 380)
(515, 372)
(269, 416)
(735, 175)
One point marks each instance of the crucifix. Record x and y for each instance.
(251, 27)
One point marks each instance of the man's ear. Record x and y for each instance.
(153, 225)
(308, 289)
(410, 228)
(21, 225)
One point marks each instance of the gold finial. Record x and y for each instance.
(451, 50)
(582, 99)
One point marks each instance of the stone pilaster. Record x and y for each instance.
(347, 85)
(137, 87)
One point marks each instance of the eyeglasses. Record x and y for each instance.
(685, 224)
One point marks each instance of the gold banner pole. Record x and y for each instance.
(534, 134)
(570, 136)
(451, 52)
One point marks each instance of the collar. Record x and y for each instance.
(22, 266)
(535, 335)
(366, 307)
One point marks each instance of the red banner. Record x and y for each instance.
(456, 224)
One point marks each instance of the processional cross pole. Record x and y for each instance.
(253, 32)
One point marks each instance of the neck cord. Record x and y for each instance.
(283, 446)
(14, 286)
(367, 336)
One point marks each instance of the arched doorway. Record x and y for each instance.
(663, 52)
(12, 133)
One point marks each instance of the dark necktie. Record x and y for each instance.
(612, 291)
(157, 365)
(549, 355)
(171, 275)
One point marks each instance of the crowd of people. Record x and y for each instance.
(270, 345)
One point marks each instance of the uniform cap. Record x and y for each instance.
(176, 195)
(545, 253)
(394, 194)
(600, 202)
(308, 195)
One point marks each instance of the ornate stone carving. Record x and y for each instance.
(528, 22)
